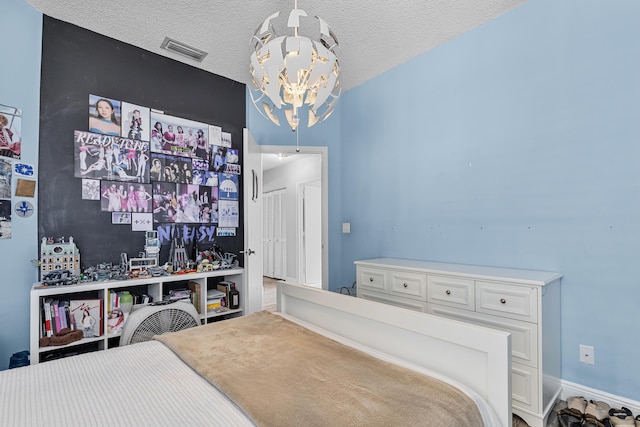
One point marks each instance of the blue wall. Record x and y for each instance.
(518, 145)
(21, 34)
(325, 134)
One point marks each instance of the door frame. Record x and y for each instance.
(324, 184)
(300, 196)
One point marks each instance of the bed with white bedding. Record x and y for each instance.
(156, 384)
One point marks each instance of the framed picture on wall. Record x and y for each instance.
(121, 217)
(165, 202)
(10, 131)
(201, 173)
(112, 158)
(228, 213)
(5, 179)
(135, 122)
(5, 219)
(178, 136)
(104, 115)
(90, 189)
(228, 186)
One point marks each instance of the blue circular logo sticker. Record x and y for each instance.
(24, 209)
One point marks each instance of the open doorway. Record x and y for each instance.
(292, 217)
(255, 159)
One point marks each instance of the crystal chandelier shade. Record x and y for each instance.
(294, 76)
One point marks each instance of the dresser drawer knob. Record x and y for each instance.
(371, 279)
(405, 285)
(448, 292)
(503, 301)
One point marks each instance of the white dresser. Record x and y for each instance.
(525, 303)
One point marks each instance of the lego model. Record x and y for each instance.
(60, 255)
(152, 245)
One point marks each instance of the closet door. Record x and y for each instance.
(274, 242)
(267, 232)
(279, 235)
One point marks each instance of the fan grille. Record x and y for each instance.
(162, 322)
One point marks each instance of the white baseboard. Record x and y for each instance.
(570, 389)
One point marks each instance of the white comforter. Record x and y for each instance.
(138, 385)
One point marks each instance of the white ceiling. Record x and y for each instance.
(374, 35)
(272, 161)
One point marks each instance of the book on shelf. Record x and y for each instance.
(215, 293)
(113, 302)
(67, 315)
(55, 316)
(178, 295)
(216, 298)
(115, 321)
(212, 304)
(227, 285)
(87, 316)
(46, 312)
(196, 295)
(232, 294)
(62, 314)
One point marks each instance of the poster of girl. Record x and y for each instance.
(135, 122)
(104, 115)
(10, 132)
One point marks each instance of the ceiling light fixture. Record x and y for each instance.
(290, 72)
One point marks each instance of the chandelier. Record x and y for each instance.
(295, 76)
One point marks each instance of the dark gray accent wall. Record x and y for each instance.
(77, 62)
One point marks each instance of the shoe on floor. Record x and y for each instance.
(577, 403)
(621, 417)
(597, 409)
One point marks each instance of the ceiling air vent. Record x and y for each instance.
(183, 49)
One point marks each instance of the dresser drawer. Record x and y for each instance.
(451, 291)
(524, 388)
(371, 278)
(409, 285)
(516, 302)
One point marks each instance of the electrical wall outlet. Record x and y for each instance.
(587, 354)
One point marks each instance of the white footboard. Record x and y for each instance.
(477, 357)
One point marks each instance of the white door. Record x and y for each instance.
(274, 232)
(267, 234)
(279, 235)
(252, 167)
(312, 235)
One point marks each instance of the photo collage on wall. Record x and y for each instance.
(148, 168)
(10, 164)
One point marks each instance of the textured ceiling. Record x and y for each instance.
(374, 35)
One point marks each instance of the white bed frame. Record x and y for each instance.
(477, 357)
